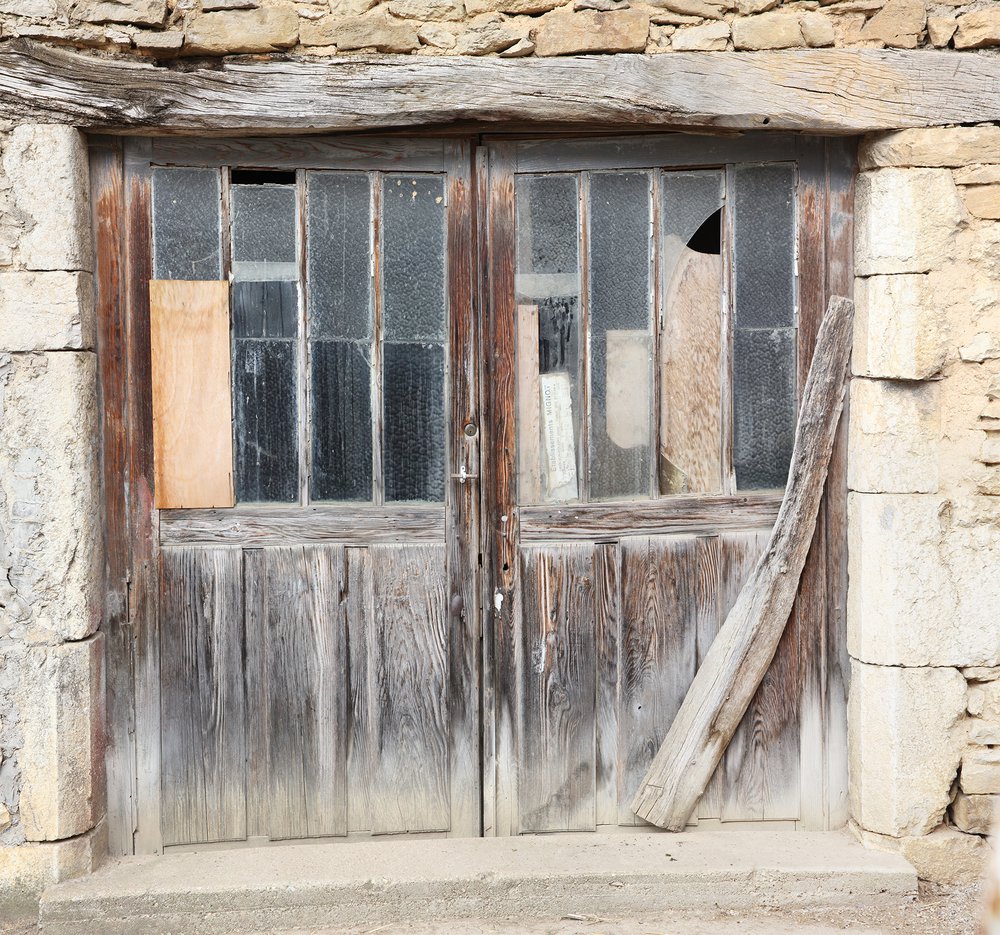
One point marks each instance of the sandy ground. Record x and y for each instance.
(937, 911)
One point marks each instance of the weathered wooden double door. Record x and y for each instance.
(447, 463)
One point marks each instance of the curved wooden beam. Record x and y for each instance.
(843, 91)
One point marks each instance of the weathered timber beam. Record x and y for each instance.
(833, 91)
(743, 649)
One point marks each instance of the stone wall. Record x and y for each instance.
(511, 28)
(51, 787)
(924, 507)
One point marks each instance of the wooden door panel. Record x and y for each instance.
(203, 729)
(556, 765)
(296, 691)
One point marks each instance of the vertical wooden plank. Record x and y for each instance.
(144, 550)
(192, 402)
(361, 755)
(498, 473)
(528, 430)
(408, 657)
(107, 193)
(463, 528)
(841, 168)
(809, 614)
(659, 638)
(608, 610)
(296, 686)
(203, 737)
(556, 764)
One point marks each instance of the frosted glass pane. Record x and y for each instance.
(264, 232)
(414, 444)
(413, 262)
(342, 421)
(764, 246)
(186, 224)
(265, 425)
(339, 259)
(547, 236)
(620, 335)
(764, 406)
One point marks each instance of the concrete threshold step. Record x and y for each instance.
(359, 883)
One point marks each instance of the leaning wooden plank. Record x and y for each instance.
(822, 90)
(192, 405)
(740, 655)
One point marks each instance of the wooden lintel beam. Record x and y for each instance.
(835, 91)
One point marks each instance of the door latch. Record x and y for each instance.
(463, 475)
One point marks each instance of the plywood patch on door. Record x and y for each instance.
(203, 731)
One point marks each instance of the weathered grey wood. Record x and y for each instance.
(296, 692)
(408, 688)
(556, 771)
(256, 526)
(832, 91)
(608, 615)
(360, 753)
(648, 517)
(745, 646)
(659, 638)
(203, 731)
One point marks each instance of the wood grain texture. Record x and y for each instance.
(203, 729)
(361, 752)
(835, 91)
(263, 525)
(648, 517)
(192, 400)
(529, 473)
(556, 765)
(296, 686)
(107, 193)
(659, 640)
(746, 644)
(607, 622)
(408, 675)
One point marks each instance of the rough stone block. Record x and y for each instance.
(917, 593)
(135, 12)
(905, 741)
(776, 30)
(46, 311)
(817, 30)
(27, 869)
(978, 29)
(935, 147)
(57, 703)
(47, 168)
(975, 814)
(893, 438)
(375, 30)
(568, 33)
(940, 29)
(50, 532)
(978, 175)
(712, 37)
(981, 771)
(983, 201)
(947, 856)
(263, 30)
(697, 8)
(473, 7)
(906, 220)
(899, 333)
(434, 10)
(899, 24)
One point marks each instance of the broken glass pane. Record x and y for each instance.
(264, 391)
(414, 442)
(620, 335)
(187, 224)
(764, 406)
(264, 232)
(764, 246)
(339, 255)
(413, 262)
(690, 455)
(342, 421)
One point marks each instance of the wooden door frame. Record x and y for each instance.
(120, 175)
(824, 228)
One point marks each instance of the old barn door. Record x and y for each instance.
(311, 667)
(653, 308)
